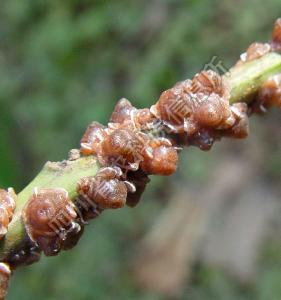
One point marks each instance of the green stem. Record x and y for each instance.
(244, 80)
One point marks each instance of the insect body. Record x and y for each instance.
(7, 207)
(276, 36)
(5, 274)
(105, 190)
(49, 218)
(94, 135)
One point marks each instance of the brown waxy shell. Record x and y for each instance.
(208, 82)
(92, 138)
(122, 147)
(276, 35)
(142, 118)
(122, 111)
(212, 112)
(255, 51)
(48, 216)
(105, 193)
(240, 129)
(159, 157)
(4, 221)
(174, 105)
(5, 275)
(104, 190)
(190, 105)
(7, 207)
(126, 113)
(269, 95)
(163, 162)
(194, 112)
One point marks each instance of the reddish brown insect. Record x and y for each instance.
(212, 112)
(276, 35)
(126, 114)
(92, 138)
(5, 275)
(163, 162)
(159, 157)
(194, 112)
(49, 217)
(105, 190)
(122, 112)
(190, 105)
(174, 106)
(208, 82)
(269, 95)
(7, 207)
(123, 148)
(255, 51)
(236, 126)
(210, 118)
(240, 128)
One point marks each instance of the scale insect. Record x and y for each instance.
(49, 217)
(7, 208)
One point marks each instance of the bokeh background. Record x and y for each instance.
(211, 231)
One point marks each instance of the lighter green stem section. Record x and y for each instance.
(244, 81)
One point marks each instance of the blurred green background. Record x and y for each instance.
(64, 63)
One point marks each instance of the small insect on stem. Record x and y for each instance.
(269, 95)
(49, 218)
(276, 36)
(7, 208)
(105, 190)
(92, 138)
(5, 275)
(159, 158)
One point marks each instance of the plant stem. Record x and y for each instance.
(244, 81)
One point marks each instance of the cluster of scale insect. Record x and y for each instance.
(194, 112)
(197, 112)
(128, 153)
(135, 144)
(143, 142)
